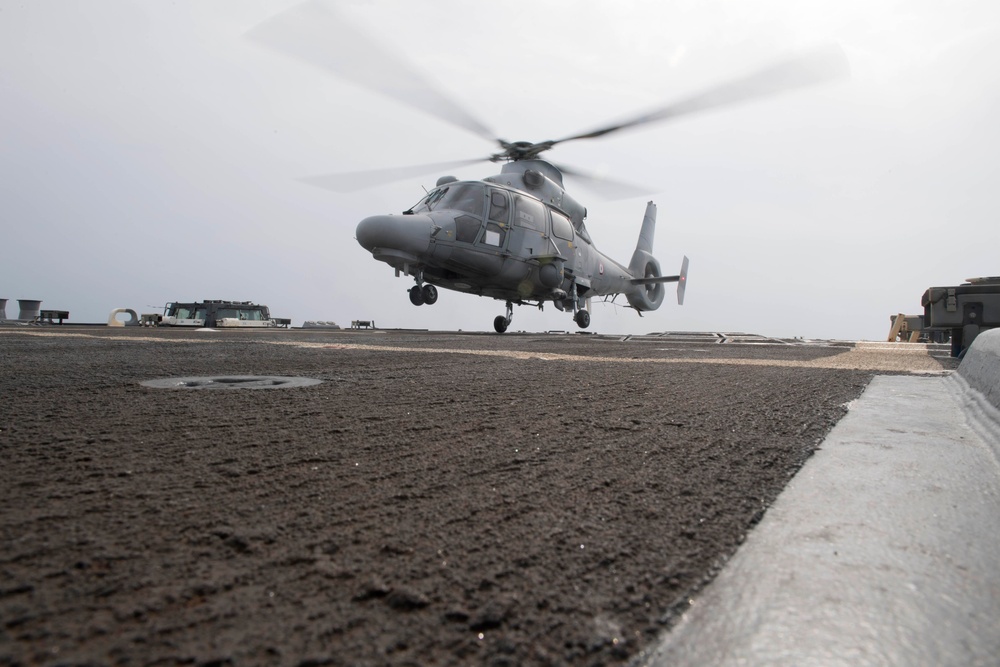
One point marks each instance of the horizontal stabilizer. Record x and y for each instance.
(657, 279)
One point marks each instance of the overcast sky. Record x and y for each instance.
(151, 151)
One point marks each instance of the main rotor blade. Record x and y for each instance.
(315, 33)
(820, 65)
(359, 180)
(605, 187)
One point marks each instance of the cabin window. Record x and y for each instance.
(529, 213)
(561, 226)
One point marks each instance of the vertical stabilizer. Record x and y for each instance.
(644, 246)
(645, 294)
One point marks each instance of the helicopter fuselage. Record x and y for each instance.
(516, 237)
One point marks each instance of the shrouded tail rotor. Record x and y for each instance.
(647, 293)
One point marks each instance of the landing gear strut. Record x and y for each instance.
(580, 315)
(421, 294)
(501, 323)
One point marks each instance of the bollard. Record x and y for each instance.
(30, 309)
(3, 309)
(132, 321)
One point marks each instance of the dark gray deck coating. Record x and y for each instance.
(438, 499)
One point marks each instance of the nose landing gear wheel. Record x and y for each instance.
(417, 296)
(430, 294)
(582, 319)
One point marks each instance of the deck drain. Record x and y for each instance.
(231, 382)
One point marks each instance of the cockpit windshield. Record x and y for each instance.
(465, 197)
(429, 202)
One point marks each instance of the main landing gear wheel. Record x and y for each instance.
(502, 322)
(582, 319)
(430, 294)
(417, 295)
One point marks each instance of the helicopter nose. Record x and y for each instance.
(410, 234)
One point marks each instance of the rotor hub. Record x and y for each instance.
(520, 150)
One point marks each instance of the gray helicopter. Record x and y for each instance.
(517, 236)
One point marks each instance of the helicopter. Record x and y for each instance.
(517, 236)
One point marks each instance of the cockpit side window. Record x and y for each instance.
(467, 228)
(498, 222)
(495, 234)
(499, 207)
